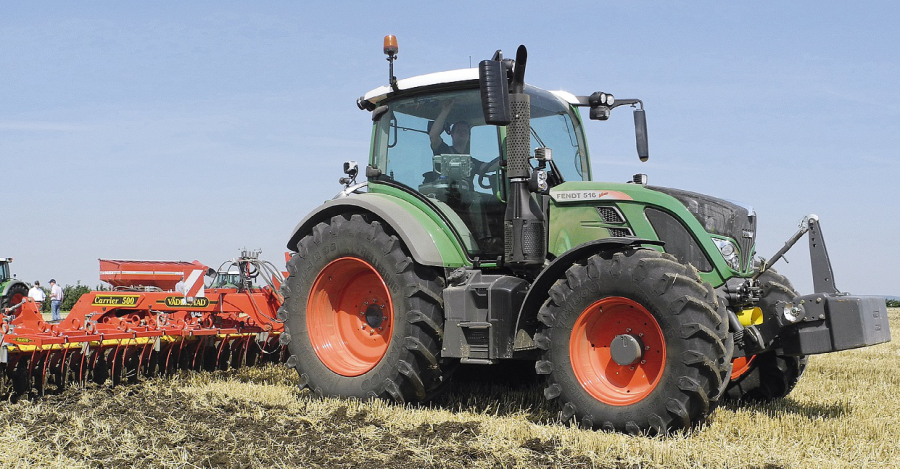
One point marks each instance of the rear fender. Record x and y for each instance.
(428, 242)
(7, 284)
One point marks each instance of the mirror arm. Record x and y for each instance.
(583, 102)
(623, 102)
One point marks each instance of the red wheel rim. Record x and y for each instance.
(16, 299)
(592, 361)
(349, 316)
(740, 366)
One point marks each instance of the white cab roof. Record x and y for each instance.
(447, 77)
(431, 79)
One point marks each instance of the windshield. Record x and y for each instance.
(226, 280)
(415, 129)
(556, 126)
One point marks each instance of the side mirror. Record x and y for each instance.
(640, 134)
(494, 92)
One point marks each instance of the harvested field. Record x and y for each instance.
(843, 413)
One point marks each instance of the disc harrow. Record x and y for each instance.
(123, 335)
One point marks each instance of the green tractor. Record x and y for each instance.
(640, 307)
(12, 290)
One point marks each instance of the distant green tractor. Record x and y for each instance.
(12, 291)
(640, 306)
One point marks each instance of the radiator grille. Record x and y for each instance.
(610, 214)
(620, 232)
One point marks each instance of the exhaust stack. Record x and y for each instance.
(524, 225)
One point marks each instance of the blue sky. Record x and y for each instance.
(168, 131)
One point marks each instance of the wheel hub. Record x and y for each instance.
(374, 315)
(626, 349)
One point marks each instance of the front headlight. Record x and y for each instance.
(729, 253)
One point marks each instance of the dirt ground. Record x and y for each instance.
(185, 422)
(842, 414)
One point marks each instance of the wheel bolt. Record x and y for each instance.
(628, 330)
(643, 362)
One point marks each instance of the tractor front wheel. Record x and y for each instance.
(633, 341)
(769, 375)
(362, 318)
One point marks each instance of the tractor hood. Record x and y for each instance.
(720, 217)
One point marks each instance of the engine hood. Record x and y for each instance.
(720, 217)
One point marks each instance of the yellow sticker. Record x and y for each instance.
(115, 300)
(179, 301)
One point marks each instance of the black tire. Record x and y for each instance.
(408, 367)
(16, 293)
(684, 346)
(769, 376)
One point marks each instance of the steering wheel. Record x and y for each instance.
(490, 167)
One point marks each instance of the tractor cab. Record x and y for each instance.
(227, 278)
(431, 138)
(4, 268)
(12, 291)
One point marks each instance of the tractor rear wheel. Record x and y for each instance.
(16, 293)
(768, 376)
(633, 341)
(362, 319)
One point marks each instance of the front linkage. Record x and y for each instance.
(797, 325)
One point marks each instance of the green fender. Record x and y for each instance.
(5, 285)
(539, 290)
(429, 242)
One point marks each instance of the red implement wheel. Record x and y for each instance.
(362, 319)
(740, 366)
(349, 316)
(618, 351)
(633, 341)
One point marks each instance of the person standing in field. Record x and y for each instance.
(56, 297)
(37, 294)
